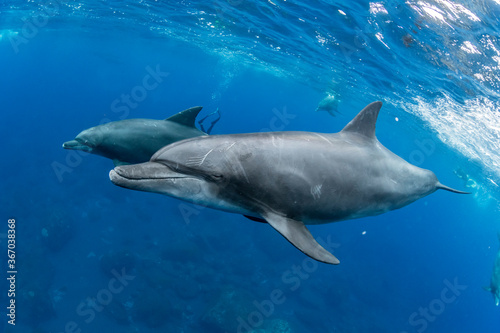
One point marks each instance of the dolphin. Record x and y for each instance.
(494, 287)
(329, 104)
(287, 179)
(132, 141)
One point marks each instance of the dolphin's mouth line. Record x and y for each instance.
(150, 178)
(146, 178)
(77, 144)
(153, 173)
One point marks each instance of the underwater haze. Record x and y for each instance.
(93, 257)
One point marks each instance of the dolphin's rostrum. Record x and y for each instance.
(288, 179)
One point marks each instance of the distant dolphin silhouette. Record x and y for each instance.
(136, 140)
(287, 179)
(329, 104)
(494, 287)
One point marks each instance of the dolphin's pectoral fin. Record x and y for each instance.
(300, 237)
(186, 117)
(118, 162)
(487, 289)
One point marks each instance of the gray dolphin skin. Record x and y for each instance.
(494, 287)
(132, 141)
(287, 179)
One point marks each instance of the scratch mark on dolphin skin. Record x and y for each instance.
(276, 141)
(230, 146)
(316, 191)
(237, 165)
(197, 161)
(322, 137)
(244, 173)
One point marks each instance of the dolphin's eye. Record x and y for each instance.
(85, 142)
(90, 144)
(217, 177)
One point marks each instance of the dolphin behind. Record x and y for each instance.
(288, 179)
(329, 104)
(494, 287)
(136, 140)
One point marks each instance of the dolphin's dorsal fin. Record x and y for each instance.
(364, 122)
(186, 117)
(300, 237)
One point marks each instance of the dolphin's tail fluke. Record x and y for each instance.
(440, 186)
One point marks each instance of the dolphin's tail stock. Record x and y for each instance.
(440, 186)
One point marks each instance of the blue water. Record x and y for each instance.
(64, 65)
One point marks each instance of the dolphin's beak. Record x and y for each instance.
(144, 176)
(143, 171)
(75, 145)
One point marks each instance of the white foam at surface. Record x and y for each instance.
(377, 7)
(472, 128)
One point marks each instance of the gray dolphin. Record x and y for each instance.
(494, 287)
(287, 179)
(136, 140)
(329, 104)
